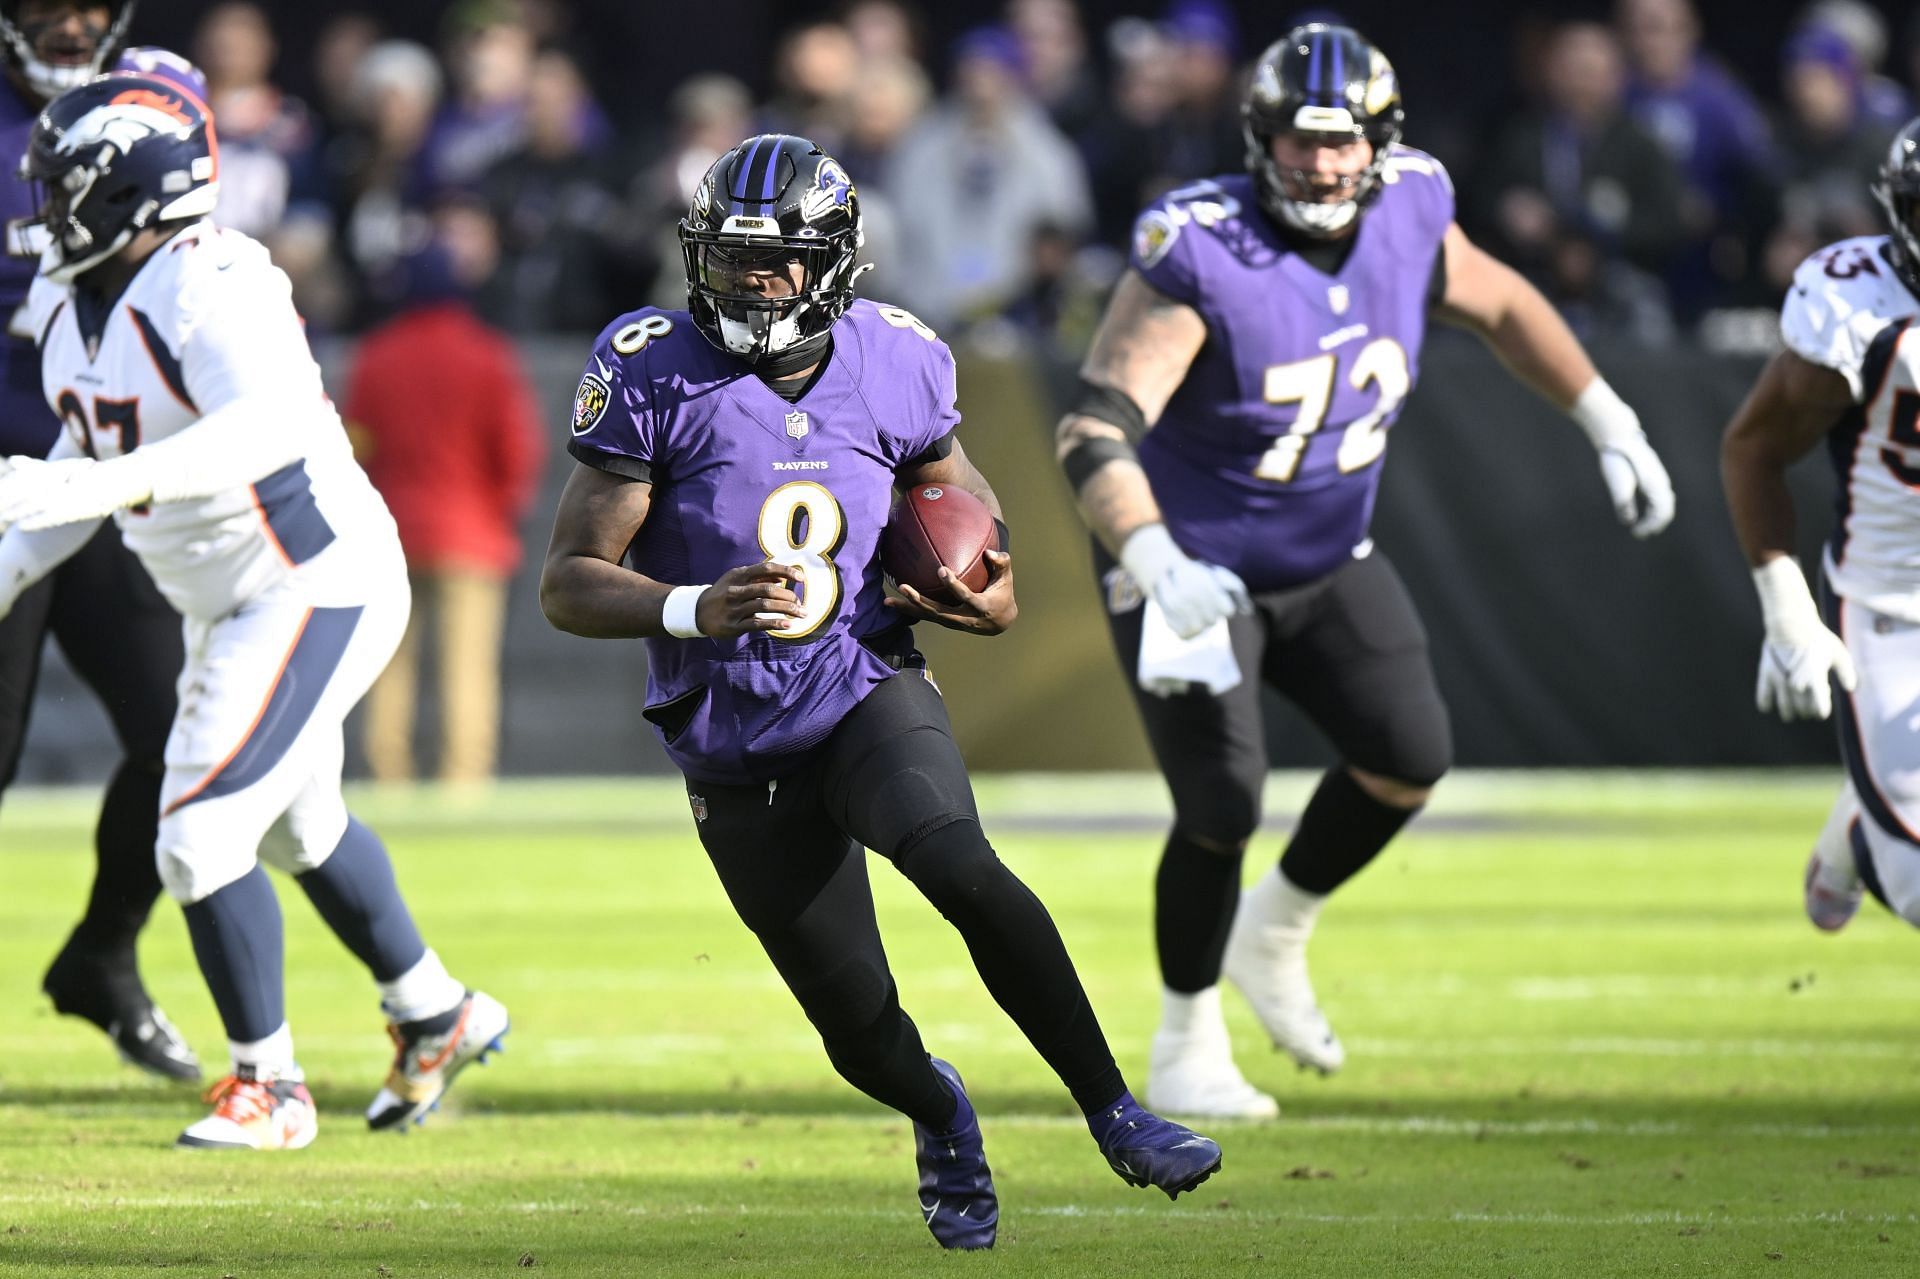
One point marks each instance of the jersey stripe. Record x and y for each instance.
(164, 360)
(304, 672)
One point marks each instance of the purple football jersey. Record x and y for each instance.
(27, 425)
(1266, 460)
(740, 475)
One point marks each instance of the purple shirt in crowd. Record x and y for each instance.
(27, 425)
(1266, 460)
(740, 475)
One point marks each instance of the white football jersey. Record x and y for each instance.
(207, 321)
(1848, 311)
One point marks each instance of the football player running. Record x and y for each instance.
(741, 456)
(1225, 451)
(193, 415)
(1849, 378)
(114, 627)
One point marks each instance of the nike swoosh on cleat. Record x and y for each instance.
(1196, 1141)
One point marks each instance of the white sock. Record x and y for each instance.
(424, 990)
(1276, 905)
(1195, 1016)
(272, 1056)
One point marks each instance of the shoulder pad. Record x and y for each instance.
(1840, 299)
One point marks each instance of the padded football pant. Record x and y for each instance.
(124, 640)
(1350, 651)
(1881, 750)
(790, 855)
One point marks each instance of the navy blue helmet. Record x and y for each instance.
(113, 158)
(1897, 189)
(86, 59)
(1326, 79)
(769, 245)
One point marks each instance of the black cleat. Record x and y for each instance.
(104, 988)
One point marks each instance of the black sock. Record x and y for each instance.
(883, 1058)
(1342, 830)
(126, 879)
(1019, 954)
(238, 940)
(1194, 896)
(355, 892)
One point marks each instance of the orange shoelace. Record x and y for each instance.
(240, 1100)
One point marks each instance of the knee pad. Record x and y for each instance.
(192, 866)
(1220, 816)
(304, 836)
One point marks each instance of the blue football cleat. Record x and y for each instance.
(956, 1187)
(1147, 1150)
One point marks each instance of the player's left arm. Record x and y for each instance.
(990, 610)
(1512, 317)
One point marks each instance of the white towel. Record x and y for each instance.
(1169, 664)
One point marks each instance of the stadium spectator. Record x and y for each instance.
(887, 102)
(1864, 29)
(1578, 197)
(1205, 137)
(883, 29)
(1830, 150)
(985, 171)
(562, 267)
(1714, 131)
(457, 492)
(1128, 149)
(337, 51)
(816, 68)
(710, 114)
(490, 56)
(381, 210)
(1060, 74)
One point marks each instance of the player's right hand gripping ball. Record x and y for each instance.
(935, 524)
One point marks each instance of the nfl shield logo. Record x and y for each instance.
(699, 803)
(1337, 298)
(797, 425)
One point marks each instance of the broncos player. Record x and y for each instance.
(1225, 451)
(193, 415)
(1849, 378)
(737, 462)
(113, 626)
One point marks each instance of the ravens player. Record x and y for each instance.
(1849, 378)
(113, 626)
(737, 461)
(1225, 451)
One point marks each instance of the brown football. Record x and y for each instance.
(935, 524)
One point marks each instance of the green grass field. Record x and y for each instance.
(1589, 1034)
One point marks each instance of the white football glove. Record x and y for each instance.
(37, 494)
(1799, 652)
(1194, 595)
(1632, 470)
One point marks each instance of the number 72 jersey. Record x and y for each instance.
(1848, 311)
(740, 475)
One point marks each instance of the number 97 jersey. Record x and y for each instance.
(1848, 311)
(740, 475)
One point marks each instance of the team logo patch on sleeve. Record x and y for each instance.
(590, 403)
(1153, 235)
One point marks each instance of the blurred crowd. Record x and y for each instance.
(1634, 177)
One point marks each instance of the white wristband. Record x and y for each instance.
(1785, 602)
(678, 613)
(1606, 418)
(1149, 552)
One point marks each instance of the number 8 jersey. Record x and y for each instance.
(1848, 311)
(1265, 460)
(740, 475)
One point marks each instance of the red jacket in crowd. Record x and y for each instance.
(449, 429)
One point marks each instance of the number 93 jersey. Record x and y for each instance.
(1848, 311)
(1266, 458)
(209, 321)
(740, 475)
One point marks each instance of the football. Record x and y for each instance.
(935, 524)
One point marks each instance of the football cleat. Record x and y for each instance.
(428, 1054)
(1269, 965)
(1195, 1075)
(1832, 894)
(255, 1112)
(1147, 1150)
(104, 988)
(956, 1186)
